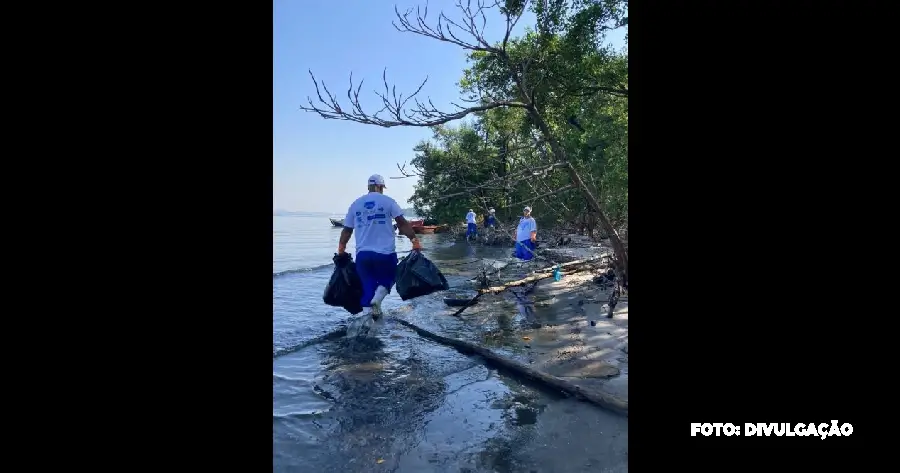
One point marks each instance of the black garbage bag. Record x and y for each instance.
(417, 276)
(345, 288)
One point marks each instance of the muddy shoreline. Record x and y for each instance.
(398, 401)
(547, 326)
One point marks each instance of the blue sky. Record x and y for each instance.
(322, 165)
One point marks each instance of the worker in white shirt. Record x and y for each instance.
(526, 234)
(471, 227)
(369, 217)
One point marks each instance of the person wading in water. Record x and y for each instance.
(369, 218)
(471, 226)
(526, 234)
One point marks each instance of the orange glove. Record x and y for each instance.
(341, 248)
(533, 236)
(416, 245)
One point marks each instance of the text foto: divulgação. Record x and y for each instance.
(784, 429)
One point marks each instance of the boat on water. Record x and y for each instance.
(426, 229)
(336, 222)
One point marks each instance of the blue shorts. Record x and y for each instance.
(375, 269)
(471, 229)
(521, 252)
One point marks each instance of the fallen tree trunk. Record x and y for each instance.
(599, 398)
(536, 276)
(550, 268)
(621, 254)
(570, 263)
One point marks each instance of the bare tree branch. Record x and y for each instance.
(449, 31)
(557, 191)
(404, 173)
(544, 182)
(392, 105)
(522, 174)
(394, 111)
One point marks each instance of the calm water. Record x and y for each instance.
(395, 401)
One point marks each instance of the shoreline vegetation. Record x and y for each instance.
(542, 121)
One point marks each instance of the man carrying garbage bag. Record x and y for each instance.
(369, 217)
(526, 234)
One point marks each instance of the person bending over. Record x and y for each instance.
(526, 234)
(491, 220)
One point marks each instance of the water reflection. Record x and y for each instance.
(504, 453)
(381, 394)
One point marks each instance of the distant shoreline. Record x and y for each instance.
(289, 213)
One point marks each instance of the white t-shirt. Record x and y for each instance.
(470, 217)
(526, 226)
(372, 219)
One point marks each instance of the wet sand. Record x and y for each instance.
(547, 326)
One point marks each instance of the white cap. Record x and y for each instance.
(527, 208)
(470, 210)
(376, 180)
(491, 210)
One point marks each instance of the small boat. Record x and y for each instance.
(442, 229)
(425, 229)
(336, 222)
(417, 223)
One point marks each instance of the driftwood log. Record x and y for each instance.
(571, 267)
(570, 263)
(551, 268)
(596, 397)
(523, 281)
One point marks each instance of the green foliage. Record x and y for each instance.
(575, 83)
